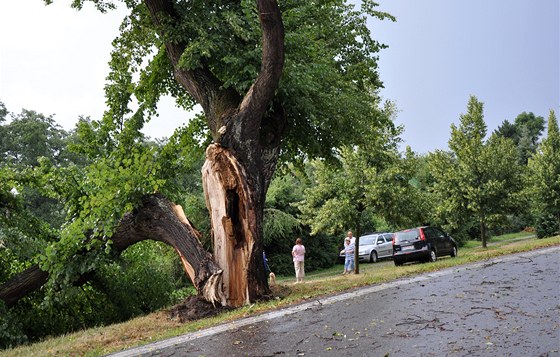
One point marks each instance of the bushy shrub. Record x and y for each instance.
(74, 309)
(510, 224)
(11, 330)
(281, 264)
(546, 225)
(321, 251)
(147, 277)
(464, 232)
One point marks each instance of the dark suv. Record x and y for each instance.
(422, 244)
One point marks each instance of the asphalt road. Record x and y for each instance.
(507, 306)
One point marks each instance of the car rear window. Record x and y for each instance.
(408, 235)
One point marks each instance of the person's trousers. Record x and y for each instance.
(300, 271)
(348, 265)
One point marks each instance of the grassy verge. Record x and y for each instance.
(157, 326)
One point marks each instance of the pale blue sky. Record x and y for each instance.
(506, 52)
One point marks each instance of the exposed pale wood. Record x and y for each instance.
(178, 211)
(233, 219)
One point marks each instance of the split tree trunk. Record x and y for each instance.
(232, 218)
(247, 129)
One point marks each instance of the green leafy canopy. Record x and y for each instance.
(330, 79)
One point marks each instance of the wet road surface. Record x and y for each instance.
(507, 306)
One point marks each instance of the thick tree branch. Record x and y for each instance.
(200, 83)
(272, 129)
(254, 134)
(157, 219)
(262, 91)
(221, 106)
(160, 220)
(23, 284)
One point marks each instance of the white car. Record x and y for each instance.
(374, 247)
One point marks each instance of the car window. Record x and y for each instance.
(367, 240)
(408, 235)
(429, 233)
(388, 237)
(439, 233)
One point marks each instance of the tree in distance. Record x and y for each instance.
(476, 177)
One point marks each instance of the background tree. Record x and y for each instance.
(28, 137)
(338, 198)
(508, 130)
(449, 203)
(282, 226)
(525, 132)
(476, 177)
(534, 124)
(402, 195)
(421, 208)
(369, 184)
(544, 181)
(29, 218)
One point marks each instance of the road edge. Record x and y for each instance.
(233, 325)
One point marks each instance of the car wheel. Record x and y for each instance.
(454, 252)
(373, 257)
(398, 262)
(432, 258)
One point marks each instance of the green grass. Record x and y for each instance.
(496, 240)
(511, 236)
(158, 326)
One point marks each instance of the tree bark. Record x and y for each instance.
(163, 221)
(23, 284)
(235, 229)
(483, 234)
(357, 244)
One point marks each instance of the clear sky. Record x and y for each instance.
(504, 52)
(53, 59)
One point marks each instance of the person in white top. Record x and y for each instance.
(348, 256)
(298, 253)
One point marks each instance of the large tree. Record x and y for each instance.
(274, 80)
